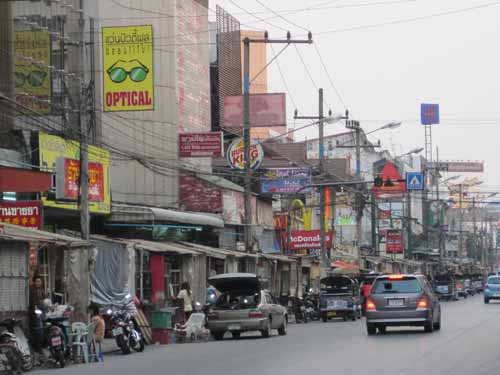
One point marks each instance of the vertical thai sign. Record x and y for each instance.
(128, 68)
(31, 71)
(394, 242)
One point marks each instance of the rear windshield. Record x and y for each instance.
(494, 280)
(235, 299)
(387, 286)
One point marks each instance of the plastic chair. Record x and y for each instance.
(95, 349)
(79, 344)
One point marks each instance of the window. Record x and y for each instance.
(494, 280)
(172, 276)
(388, 286)
(143, 276)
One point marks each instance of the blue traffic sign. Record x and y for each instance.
(415, 181)
(429, 114)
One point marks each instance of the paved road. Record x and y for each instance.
(469, 343)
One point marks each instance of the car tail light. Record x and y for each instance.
(370, 305)
(422, 304)
(396, 277)
(213, 316)
(255, 315)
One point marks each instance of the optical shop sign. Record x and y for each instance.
(128, 68)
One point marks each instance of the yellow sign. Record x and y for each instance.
(51, 148)
(32, 74)
(128, 68)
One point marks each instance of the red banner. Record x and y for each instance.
(26, 214)
(309, 239)
(200, 145)
(394, 241)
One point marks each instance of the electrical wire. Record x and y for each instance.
(289, 93)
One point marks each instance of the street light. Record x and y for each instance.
(391, 126)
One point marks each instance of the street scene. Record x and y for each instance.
(223, 186)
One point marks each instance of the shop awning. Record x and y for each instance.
(129, 213)
(19, 233)
(24, 180)
(344, 265)
(281, 258)
(161, 247)
(213, 252)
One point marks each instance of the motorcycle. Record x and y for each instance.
(124, 332)
(54, 338)
(312, 311)
(299, 310)
(14, 335)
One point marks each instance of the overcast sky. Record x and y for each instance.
(383, 73)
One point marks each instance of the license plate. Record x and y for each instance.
(234, 327)
(396, 302)
(56, 341)
(117, 331)
(332, 314)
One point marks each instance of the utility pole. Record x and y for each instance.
(461, 221)
(248, 228)
(438, 213)
(354, 125)
(322, 219)
(84, 178)
(474, 221)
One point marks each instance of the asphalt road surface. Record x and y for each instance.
(468, 343)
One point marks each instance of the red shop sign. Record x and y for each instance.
(68, 174)
(308, 239)
(26, 214)
(200, 145)
(394, 241)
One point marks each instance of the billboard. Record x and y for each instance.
(33, 82)
(128, 68)
(193, 145)
(68, 177)
(236, 154)
(286, 180)
(394, 242)
(429, 114)
(51, 149)
(265, 110)
(26, 214)
(457, 166)
(309, 239)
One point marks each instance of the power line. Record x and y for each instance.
(408, 20)
(330, 79)
(289, 93)
(281, 17)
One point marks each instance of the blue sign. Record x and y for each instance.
(286, 181)
(429, 114)
(414, 181)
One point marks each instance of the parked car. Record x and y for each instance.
(244, 305)
(492, 289)
(402, 300)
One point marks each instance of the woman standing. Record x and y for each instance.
(186, 295)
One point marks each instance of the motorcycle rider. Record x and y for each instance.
(37, 296)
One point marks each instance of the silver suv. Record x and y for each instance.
(402, 300)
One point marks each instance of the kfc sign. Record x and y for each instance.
(309, 239)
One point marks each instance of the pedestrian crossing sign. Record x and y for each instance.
(415, 181)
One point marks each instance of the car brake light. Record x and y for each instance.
(422, 304)
(396, 277)
(255, 315)
(370, 305)
(213, 316)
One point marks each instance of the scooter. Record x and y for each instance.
(312, 311)
(299, 310)
(124, 332)
(14, 335)
(54, 338)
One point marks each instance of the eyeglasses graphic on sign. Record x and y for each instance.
(118, 74)
(34, 78)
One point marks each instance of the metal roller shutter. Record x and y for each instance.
(13, 276)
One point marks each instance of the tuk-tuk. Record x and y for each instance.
(339, 297)
(445, 287)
